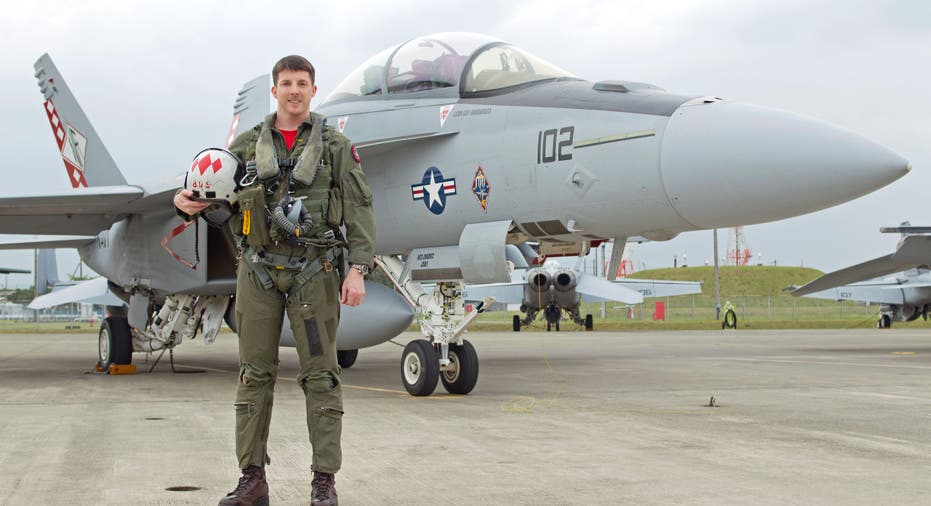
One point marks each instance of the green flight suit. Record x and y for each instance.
(338, 194)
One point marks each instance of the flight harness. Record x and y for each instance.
(290, 219)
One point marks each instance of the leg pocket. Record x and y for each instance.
(314, 343)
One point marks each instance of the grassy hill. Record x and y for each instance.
(738, 281)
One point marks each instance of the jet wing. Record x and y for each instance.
(913, 250)
(661, 288)
(92, 291)
(595, 289)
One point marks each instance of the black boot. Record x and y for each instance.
(252, 489)
(324, 490)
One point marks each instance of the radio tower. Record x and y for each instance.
(626, 267)
(738, 252)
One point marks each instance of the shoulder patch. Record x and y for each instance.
(355, 154)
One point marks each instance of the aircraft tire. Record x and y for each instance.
(462, 379)
(420, 368)
(730, 320)
(885, 322)
(516, 324)
(346, 358)
(115, 344)
(557, 326)
(589, 322)
(549, 326)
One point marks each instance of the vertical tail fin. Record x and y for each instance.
(86, 158)
(46, 271)
(251, 106)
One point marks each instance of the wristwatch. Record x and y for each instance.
(362, 268)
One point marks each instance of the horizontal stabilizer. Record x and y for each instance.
(45, 241)
(83, 211)
(78, 201)
(913, 251)
(93, 291)
(660, 287)
(886, 293)
(595, 289)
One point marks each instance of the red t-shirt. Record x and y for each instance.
(289, 136)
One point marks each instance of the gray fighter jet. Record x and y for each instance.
(471, 145)
(552, 289)
(903, 297)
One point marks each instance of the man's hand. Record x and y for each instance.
(353, 288)
(191, 207)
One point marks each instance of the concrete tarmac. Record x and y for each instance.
(802, 417)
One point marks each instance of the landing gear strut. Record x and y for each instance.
(443, 322)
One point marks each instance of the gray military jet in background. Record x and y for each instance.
(903, 297)
(11, 270)
(6, 271)
(552, 289)
(471, 145)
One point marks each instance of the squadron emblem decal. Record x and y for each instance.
(444, 113)
(481, 188)
(433, 190)
(71, 144)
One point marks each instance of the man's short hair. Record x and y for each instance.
(293, 62)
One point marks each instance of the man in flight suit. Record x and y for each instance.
(302, 181)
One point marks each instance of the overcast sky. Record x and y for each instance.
(158, 80)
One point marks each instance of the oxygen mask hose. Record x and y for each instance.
(292, 218)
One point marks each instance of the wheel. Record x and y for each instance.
(730, 319)
(557, 326)
(346, 358)
(420, 368)
(885, 321)
(461, 377)
(516, 323)
(549, 326)
(114, 343)
(589, 323)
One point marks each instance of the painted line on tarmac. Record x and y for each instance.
(288, 378)
(206, 368)
(818, 362)
(889, 396)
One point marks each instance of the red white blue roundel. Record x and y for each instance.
(433, 190)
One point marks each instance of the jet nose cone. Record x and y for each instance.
(728, 164)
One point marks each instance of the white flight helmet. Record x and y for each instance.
(214, 177)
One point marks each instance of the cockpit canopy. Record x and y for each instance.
(460, 63)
